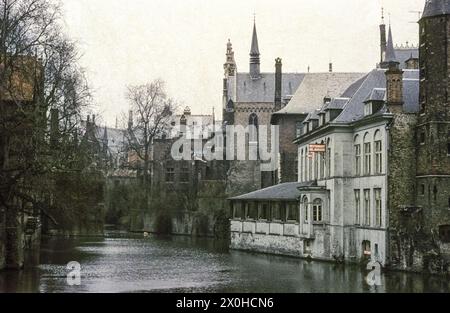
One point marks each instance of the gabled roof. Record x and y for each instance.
(315, 86)
(436, 8)
(262, 90)
(282, 192)
(354, 109)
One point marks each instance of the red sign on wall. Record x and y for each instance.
(317, 148)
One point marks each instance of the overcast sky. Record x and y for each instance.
(184, 41)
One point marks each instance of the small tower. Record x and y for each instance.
(255, 62)
(230, 64)
(390, 55)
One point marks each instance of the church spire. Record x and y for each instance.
(390, 51)
(255, 62)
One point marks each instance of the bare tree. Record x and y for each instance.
(151, 111)
(38, 75)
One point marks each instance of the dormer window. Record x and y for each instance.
(367, 108)
(299, 129)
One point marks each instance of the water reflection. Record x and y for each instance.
(181, 264)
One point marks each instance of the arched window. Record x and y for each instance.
(322, 163)
(305, 208)
(378, 153)
(310, 166)
(357, 151)
(254, 125)
(317, 210)
(367, 155)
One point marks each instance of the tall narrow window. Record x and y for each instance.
(317, 211)
(378, 153)
(378, 208)
(322, 165)
(328, 158)
(422, 190)
(184, 175)
(253, 121)
(422, 136)
(358, 160)
(367, 156)
(296, 166)
(253, 212)
(276, 212)
(367, 209)
(301, 167)
(292, 214)
(316, 165)
(299, 129)
(305, 208)
(310, 167)
(264, 211)
(357, 207)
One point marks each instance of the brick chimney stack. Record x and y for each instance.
(278, 83)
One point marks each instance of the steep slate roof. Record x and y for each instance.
(337, 104)
(262, 90)
(377, 94)
(315, 87)
(282, 192)
(354, 109)
(404, 54)
(436, 7)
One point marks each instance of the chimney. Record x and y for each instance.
(383, 42)
(278, 83)
(394, 87)
(330, 67)
(93, 119)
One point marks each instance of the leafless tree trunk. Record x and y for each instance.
(151, 113)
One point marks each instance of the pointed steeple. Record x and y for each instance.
(390, 51)
(390, 57)
(255, 61)
(255, 47)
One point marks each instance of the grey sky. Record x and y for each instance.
(184, 41)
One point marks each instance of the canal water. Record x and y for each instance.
(178, 264)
